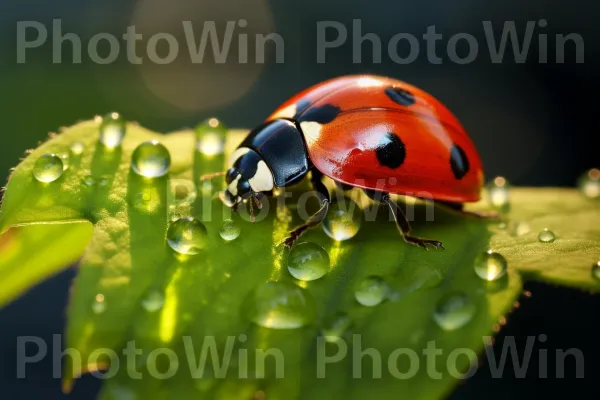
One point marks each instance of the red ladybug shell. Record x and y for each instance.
(379, 133)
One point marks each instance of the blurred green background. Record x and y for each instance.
(534, 123)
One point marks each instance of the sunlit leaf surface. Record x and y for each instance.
(133, 289)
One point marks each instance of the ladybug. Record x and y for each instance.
(370, 132)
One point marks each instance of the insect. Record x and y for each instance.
(370, 132)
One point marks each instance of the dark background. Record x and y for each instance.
(534, 123)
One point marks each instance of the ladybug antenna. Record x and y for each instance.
(206, 177)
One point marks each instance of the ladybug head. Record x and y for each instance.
(249, 176)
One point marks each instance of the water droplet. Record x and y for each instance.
(518, 228)
(112, 130)
(153, 301)
(229, 230)
(589, 184)
(454, 311)
(490, 266)
(151, 160)
(596, 271)
(77, 148)
(64, 157)
(308, 261)
(186, 236)
(546, 236)
(336, 327)
(279, 305)
(371, 291)
(88, 180)
(48, 168)
(343, 219)
(498, 191)
(103, 181)
(99, 304)
(210, 137)
(182, 192)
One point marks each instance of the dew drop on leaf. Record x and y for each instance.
(371, 291)
(546, 236)
(112, 130)
(88, 180)
(336, 327)
(153, 301)
(589, 184)
(279, 305)
(48, 168)
(490, 266)
(64, 157)
(151, 160)
(229, 230)
(343, 219)
(518, 228)
(454, 311)
(186, 236)
(308, 261)
(498, 192)
(77, 148)
(210, 137)
(99, 304)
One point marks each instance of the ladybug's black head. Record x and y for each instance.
(248, 176)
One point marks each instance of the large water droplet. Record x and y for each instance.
(546, 236)
(99, 304)
(454, 311)
(229, 230)
(48, 168)
(308, 261)
(490, 266)
(589, 184)
(210, 137)
(596, 271)
(279, 305)
(371, 291)
(343, 219)
(77, 148)
(186, 236)
(151, 160)
(112, 130)
(153, 301)
(336, 327)
(498, 191)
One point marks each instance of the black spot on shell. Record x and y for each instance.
(323, 115)
(390, 151)
(301, 106)
(400, 96)
(459, 162)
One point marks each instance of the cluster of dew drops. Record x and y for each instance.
(284, 305)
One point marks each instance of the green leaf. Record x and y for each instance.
(210, 296)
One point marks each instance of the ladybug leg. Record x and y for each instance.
(402, 223)
(459, 207)
(317, 217)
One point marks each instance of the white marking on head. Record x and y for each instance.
(311, 131)
(237, 155)
(233, 185)
(288, 112)
(262, 181)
